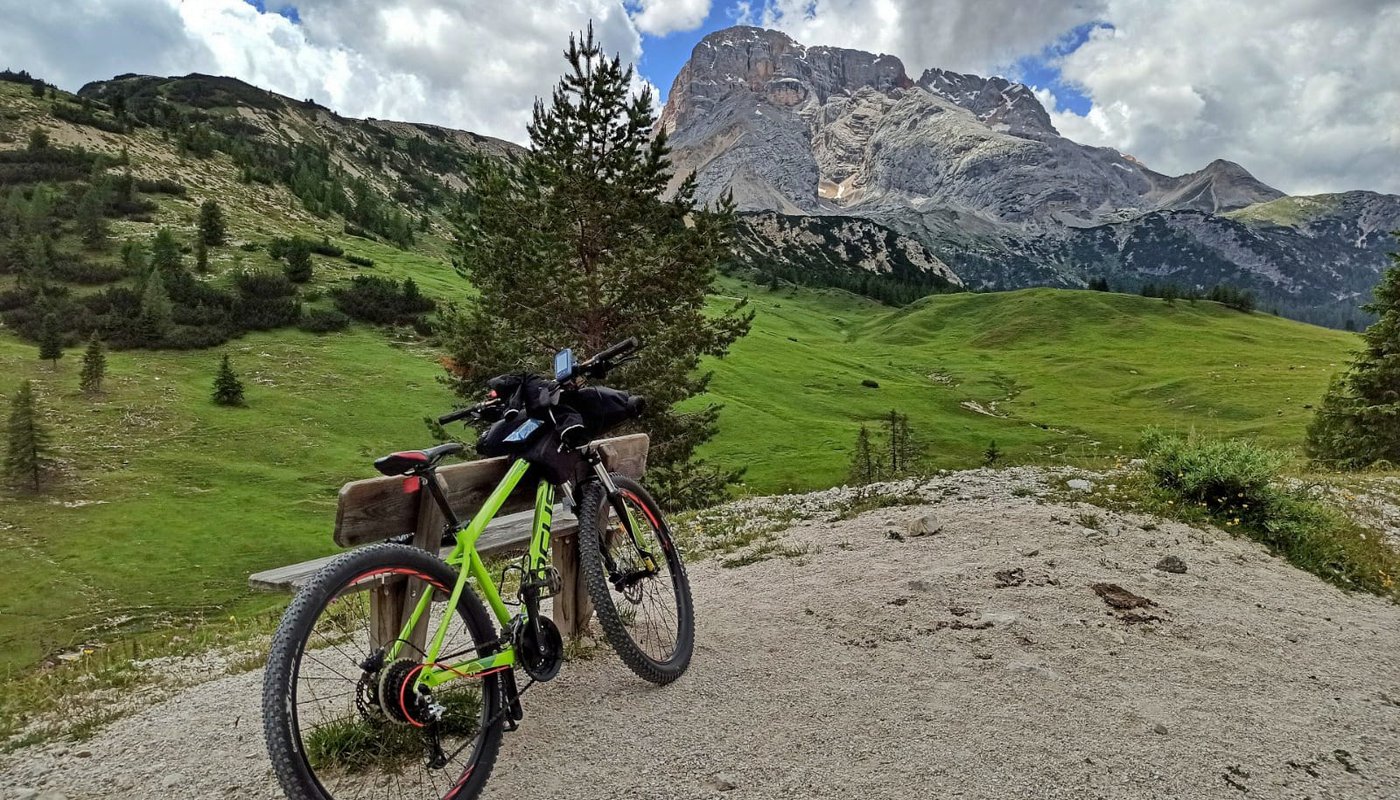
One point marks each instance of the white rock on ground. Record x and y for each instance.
(896, 670)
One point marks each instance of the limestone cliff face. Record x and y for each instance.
(822, 129)
(974, 169)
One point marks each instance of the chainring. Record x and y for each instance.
(542, 658)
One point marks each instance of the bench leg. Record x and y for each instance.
(385, 612)
(572, 608)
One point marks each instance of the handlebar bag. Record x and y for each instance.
(603, 409)
(511, 435)
(527, 416)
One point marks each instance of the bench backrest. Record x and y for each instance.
(377, 508)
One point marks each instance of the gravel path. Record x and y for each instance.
(974, 662)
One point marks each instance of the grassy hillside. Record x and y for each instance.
(1050, 375)
(168, 502)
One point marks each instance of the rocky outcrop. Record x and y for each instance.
(840, 244)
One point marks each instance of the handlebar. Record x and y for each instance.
(463, 413)
(625, 347)
(597, 367)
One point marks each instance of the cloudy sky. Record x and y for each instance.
(1304, 93)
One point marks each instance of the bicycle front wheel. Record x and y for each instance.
(340, 714)
(636, 580)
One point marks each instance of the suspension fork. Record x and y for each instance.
(624, 515)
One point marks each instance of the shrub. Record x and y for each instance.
(160, 186)
(298, 269)
(326, 248)
(1236, 485)
(382, 301)
(262, 284)
(90, 273)
(323, 320)
(360, 261)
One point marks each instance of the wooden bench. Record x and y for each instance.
(376, 509)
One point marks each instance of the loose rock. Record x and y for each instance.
(721, 783)
(927, 525)
(1172, 564)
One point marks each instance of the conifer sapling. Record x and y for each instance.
(228, 390)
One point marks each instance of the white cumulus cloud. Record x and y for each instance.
(660, 17)
(474, 64)
(963, 35)
(1303, 93)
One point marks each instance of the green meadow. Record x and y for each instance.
(166, 502)
(1050, 375)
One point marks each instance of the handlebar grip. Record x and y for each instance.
(621, 348)
(461, 413)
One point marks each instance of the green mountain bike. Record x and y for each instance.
(348, 715)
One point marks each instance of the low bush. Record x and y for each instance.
(360, 261)
(326, 248)
(160, 186)
(1237, 486)
(90, 273)
(323, 320)
(382, 301)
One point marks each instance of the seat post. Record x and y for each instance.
(429, 476)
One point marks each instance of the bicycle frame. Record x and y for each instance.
(465, 557)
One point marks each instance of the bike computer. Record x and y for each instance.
(563, 364)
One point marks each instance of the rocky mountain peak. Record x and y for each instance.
(775, 68)
(1001, 104)
(1221, 186)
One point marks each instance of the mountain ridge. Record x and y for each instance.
(974, 169)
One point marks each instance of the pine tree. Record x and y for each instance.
(992, 454)
(92, 225)
(201, 256)
(27, 442)
(39, 261)
(228, 390)
(1358, 422)
(211, 224)
(903, 451)
(94, 367)
(38, 140)
(165, 252)
(156, 313)
(133, 256)
(864, 467)
(578, 243)
(298, 269)
(51, 339)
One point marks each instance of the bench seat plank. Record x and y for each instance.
(505, 534)
(377, 508)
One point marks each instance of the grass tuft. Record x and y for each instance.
(1237, 486)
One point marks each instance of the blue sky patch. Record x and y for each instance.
(285, 10)
(663, 56)
(1042, 70)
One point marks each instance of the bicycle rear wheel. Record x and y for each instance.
(638, 585)
(341, 718)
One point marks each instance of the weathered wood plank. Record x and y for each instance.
(503, 535)
(378, 508)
